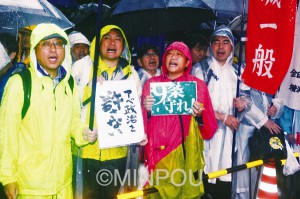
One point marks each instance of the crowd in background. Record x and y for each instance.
(39, 151)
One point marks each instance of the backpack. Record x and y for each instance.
(26, 80)
(264, 145)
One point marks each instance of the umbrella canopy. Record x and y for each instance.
(235, 24)
(144, 17)
(227, 6)
(85, 18)
(64, 3)
(15, 14)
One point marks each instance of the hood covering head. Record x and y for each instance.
(223, 31)
(49, 30)
(126, 52)
(76, 37)
(182, 47)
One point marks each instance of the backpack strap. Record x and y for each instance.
(71, 82)
(204, 68)
(207, 72)
(26, 80)
(88, 100)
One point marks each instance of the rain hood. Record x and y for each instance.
(223, 31)
(182, 47)
(126, 52)
(41, 31)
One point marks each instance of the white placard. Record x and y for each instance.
(119, 115)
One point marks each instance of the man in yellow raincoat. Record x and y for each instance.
(35, 151)
(114, 64)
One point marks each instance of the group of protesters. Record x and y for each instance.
(45, 129)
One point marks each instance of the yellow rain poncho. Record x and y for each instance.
(121, 72)
(35, 152)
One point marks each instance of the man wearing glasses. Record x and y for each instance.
(35, 149)
(148, 60)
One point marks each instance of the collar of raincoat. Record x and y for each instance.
(126, 52)
(225, 32)
(41, 31)
(182, 47)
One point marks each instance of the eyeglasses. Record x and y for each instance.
(153, 54)
(46, 45)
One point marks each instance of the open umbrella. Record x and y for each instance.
(234, 7)
(236, 23)
(64, 3)
(15, 14)
(228, 10)
(85, 18)
(144, 17)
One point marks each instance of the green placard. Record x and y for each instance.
(173, 98)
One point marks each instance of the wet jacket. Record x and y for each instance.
(257, 115)
(123, 71)
(164, 132)
(17, 67)
(36, 152)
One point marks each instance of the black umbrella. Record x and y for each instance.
(64, 3)
(144, 17)
(235, 7)
(85, 18)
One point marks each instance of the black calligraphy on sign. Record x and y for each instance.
(118, 104)
(293, 87)
(130, 111)
(111, 102)
(295, 73)
(118, 114)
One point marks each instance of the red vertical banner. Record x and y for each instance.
(269, 47)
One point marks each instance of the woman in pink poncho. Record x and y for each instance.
(175, 142)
